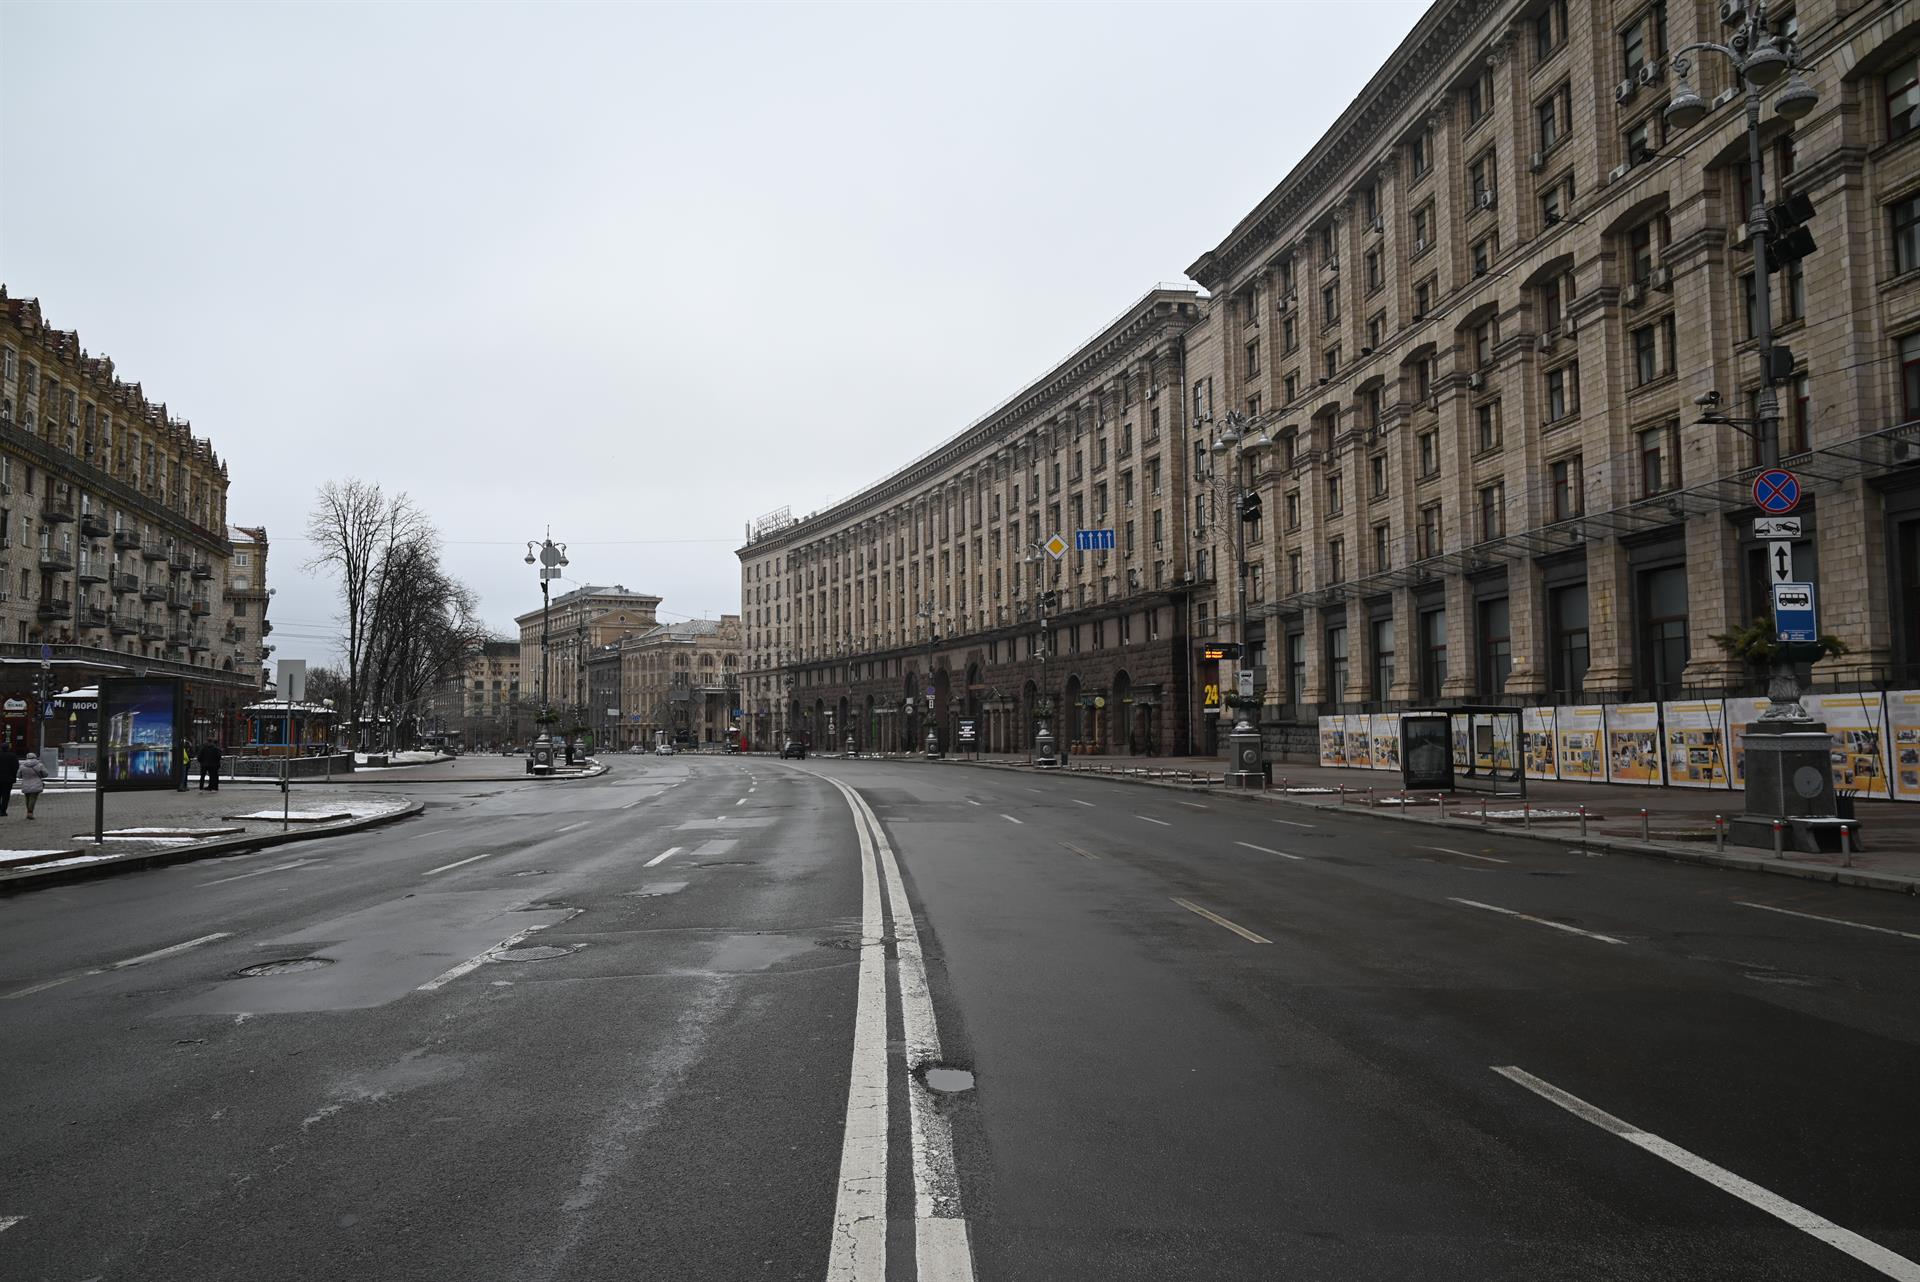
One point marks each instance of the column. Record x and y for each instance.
(1609, 621)
(1527, 628)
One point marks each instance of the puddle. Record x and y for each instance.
(538, 952)
(947, 1081)
(283, 966)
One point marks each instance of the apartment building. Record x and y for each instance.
(243, 637)
(678, 681)
(577, 623)
(114, 547)
(1476, 320)
(483, 703)
(934, 595)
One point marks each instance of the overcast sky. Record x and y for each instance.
(640, 272)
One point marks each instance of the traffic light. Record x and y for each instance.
(1789, 238)
(1250, 507)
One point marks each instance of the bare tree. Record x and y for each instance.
(355, 528)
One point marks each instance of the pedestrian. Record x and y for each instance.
(180, 767)
(33, 781)
(9, 772)
(210, 766)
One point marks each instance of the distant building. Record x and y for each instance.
(578, 622)
(680, 681)
(243, 637)
(483, 703)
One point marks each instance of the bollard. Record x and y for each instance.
(1779, 846)
(1483, 807)
(1343, 796)
(1646, 827)
(1283, 784)
(1526, 816)
(1583, 823)
(1440, 800)
(1369, 796)
(1719, 833)
(1846, 845)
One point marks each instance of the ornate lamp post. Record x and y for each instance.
(552, 558)
(1245, 440)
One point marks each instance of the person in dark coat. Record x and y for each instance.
(9, 773)
(210, 766)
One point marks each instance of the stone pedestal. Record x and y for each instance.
(1244, 751)
(1044, 752)
(1789, 776)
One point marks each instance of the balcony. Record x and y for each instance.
(124, 584)
(152, 632)
(153, 552)
(266, 626)
(152, 592)
(53, 559)
(126, 539)
(94, 526)
(92, 571)
(54, 513)
(199, 643)
(93, 616)
(200, 606)
(121, 626)
(179, 636)
(180, 559)
(50, 607)
(202, 569)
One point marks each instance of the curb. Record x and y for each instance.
(1899, 884)
(27, 879)
(383, 781)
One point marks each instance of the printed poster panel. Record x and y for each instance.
(1386, 741)
(1903, 728)
(1461, 729)
(1539, 740)
(1858, 725)
(1696, 739)
(1359, 745)
(1582, 748)
(1633, 743)
(1741, 711)
(1500, 741)
(140, 720)
(1333, 741)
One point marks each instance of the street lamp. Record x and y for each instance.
(1044, 750)
(1246, 440)
(1787, 751)
(552, 558)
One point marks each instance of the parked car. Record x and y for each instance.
(793, 748)
(663, 750)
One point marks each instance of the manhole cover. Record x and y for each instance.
(284, 966)
(539, 952)
(948, 1081)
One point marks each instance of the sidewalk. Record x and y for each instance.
(1679, 822)
(145, 829)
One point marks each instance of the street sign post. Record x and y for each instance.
(1246, 683)
(1093, 540)
(1794, 616)
(1780, 561)
(1776, 527)
(1776, 491)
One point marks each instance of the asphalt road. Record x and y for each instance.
(673, 1023)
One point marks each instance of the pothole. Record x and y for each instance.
(948, 1081)
(282, 966)
(538, 952)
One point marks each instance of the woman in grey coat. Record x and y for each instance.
(33, 781)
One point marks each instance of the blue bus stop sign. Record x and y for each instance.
(1776, 491)
(1793, 613)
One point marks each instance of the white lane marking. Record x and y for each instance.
(859, 1252)
(1837, 921)
(435, 833)
(1218, 920)
(1538, 921)
(1010, 819)
(570, 827)
(1868, 1252)
(740, 801)
(631, 804)
(1196, 805)
(1080, 851)
(1268, 850)
(1088, 804)
(941, 1249)
(1466, 854)
(663, 856)
(458, 862)
(971, 802)
(1035, 790)
(473, 963)
(1150, 819)
(1295, 823)
(37, 988)
(8, 1221)
(259, 872)
(170, 950)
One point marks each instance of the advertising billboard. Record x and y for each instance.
(141, 724)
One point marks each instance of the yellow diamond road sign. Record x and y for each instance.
(1056, 547)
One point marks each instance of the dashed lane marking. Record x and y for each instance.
(474, 963)
(1295, 823)
(1150, 819)
(1835, 921)
(458, 862)
(1218, 920)
(37, 988)
(1196, 805)
(1538, 921)
(1083, 853)
(1268, 850)
(1868, 1252)
(259, 872)
(663, 856)
(8, 1221)
(1466, 854)
(570, 827)
(1010, 819)
(1088, 804)
(169, 951)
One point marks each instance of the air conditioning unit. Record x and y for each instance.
(1536, 162)
(1632, 295)
(1567, 325)
(1543, 343)
(1283, 303)
(1420, 244)
(1906, 451)
(1333, 263)
(1650, 74)
(1486, 200)
(1733, 13)
(1661, 278)
(1625, 90)
(1619, 171)
(1724, 97)
(1377, 225)
(1477, 382)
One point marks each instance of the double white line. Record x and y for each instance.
(941, 1250)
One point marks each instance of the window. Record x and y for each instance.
(1370, 407)
(1428, 447)
(1337, 664)
(1669, 344)
(1290, 388)
(1330, 363)
(1256, 581)
(1643, 41)
(1659, 459)
(1202, 401)
(1556, 202)
(1566, 490)
(1336, 560)
(1383, 659)
(1567, 618)
(1663, 607)
(1550, 29)
(1290, 505)
(1419, 151)
(1496, 646)
(1377, 475)
(1433, 652)
(1422, 231)
(1793, 292)
(1486, 427)
(1646, 356)
(1563, 392)
(1293, 572)
(1551, 313)
(1485, 250)
(1480, 178)
(1483, 340)
(1903, 99)
(1289, 335)
(1641, 141)
(1479, 99)
(1793, 427)
(1547, 115)
(1906, 234)
(1423, 378)
(1329, 304)
(1641, 243)
(1296, 666)
(1333, 494)
(1749, 305)
(1910, 376)
(1430, 535)
(1493, 510)
(1382, 547)
(1253, 358)
(1370, 204)
(1376, 275)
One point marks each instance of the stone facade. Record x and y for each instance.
(933, 578)
(680, 681)
(484, 702)
(243, 636)
(578, 622)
